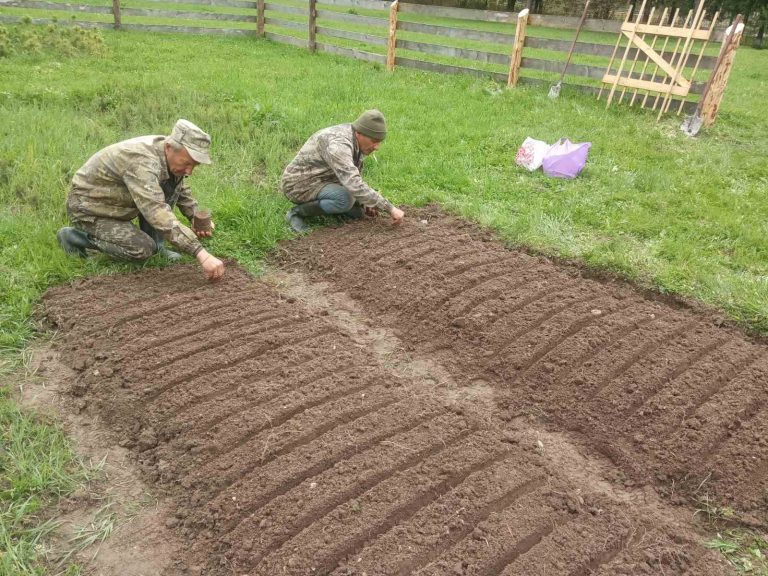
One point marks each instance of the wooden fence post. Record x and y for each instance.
(517, 49)
(116, 14)
(312, 41)
(392, 38)
(713, 96)
(260, 18)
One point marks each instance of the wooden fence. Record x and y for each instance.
(508, 48)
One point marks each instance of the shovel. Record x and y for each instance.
(692, 124)
(554, 91)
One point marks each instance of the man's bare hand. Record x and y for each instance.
(397, 215)
(371, 211)
(213, 268)
(204, 233)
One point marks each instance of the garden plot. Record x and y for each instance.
(419, 399)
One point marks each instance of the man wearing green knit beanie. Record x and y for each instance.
(325, 177)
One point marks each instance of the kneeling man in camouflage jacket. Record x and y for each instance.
(325, 177)
(143, 177)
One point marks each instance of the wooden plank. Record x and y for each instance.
(631, 36)
(670, 31)
(365, 4)
(516, 57)
(644, 84)
(286, 24)
(283, 39)
(459, 13)
(222, 3)
(615, 50)
(354, 18)
(449, 32)
(701, 52)
(352, 53)
(358, 36)
(260, 18)
(687, 45)
(450, 51)
(43, 21)
(707, 62)
(155, 13)
(116, 13)
(285, 9)
(39, 5)
(189, 30)
(596, 72)
(448, 69)
(572, 22)
(658, 60)
(710, 104)
(663, 51)
(312, 24)
(392, 35)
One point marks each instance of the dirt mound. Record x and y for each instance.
(424, 401)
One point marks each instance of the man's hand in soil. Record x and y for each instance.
(213, 268)
(397, 215)
(204, 233)
(371, 211)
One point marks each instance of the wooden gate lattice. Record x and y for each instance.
(670, 62)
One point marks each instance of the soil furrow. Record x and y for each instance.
(360, 483)
(380, 518)
(318, 470)
(268, 453)
(498, 505)
(235, 359)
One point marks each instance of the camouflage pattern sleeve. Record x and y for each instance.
(338, 155)
(187, 205)
(142, 183)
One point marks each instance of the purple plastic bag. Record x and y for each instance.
(564, 159)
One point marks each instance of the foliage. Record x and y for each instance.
(26, 39)
(746, 550)
(37, 465)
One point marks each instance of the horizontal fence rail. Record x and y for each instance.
(503, 49)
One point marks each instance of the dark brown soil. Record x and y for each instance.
(420, 399)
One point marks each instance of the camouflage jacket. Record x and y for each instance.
(330, 156)
(130, 177)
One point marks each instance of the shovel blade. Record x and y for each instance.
(691, 125)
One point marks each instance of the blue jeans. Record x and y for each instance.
(335, 199)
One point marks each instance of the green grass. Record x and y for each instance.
(36, 466)
(680, 215)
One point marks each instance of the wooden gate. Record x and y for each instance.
(670, 62)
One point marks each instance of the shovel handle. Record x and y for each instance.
(575, 38)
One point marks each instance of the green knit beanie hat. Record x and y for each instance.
(372, 124)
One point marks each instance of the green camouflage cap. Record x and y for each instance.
(371, 123)
(194, 140)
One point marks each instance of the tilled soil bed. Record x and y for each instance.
(420, 399)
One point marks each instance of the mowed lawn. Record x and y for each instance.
(675, 214)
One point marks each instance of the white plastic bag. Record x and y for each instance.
(531, 154)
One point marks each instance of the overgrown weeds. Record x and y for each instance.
(63, 41)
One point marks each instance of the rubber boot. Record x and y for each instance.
(354, 213)
(148, 229)
(74, 241)
(295, 216)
